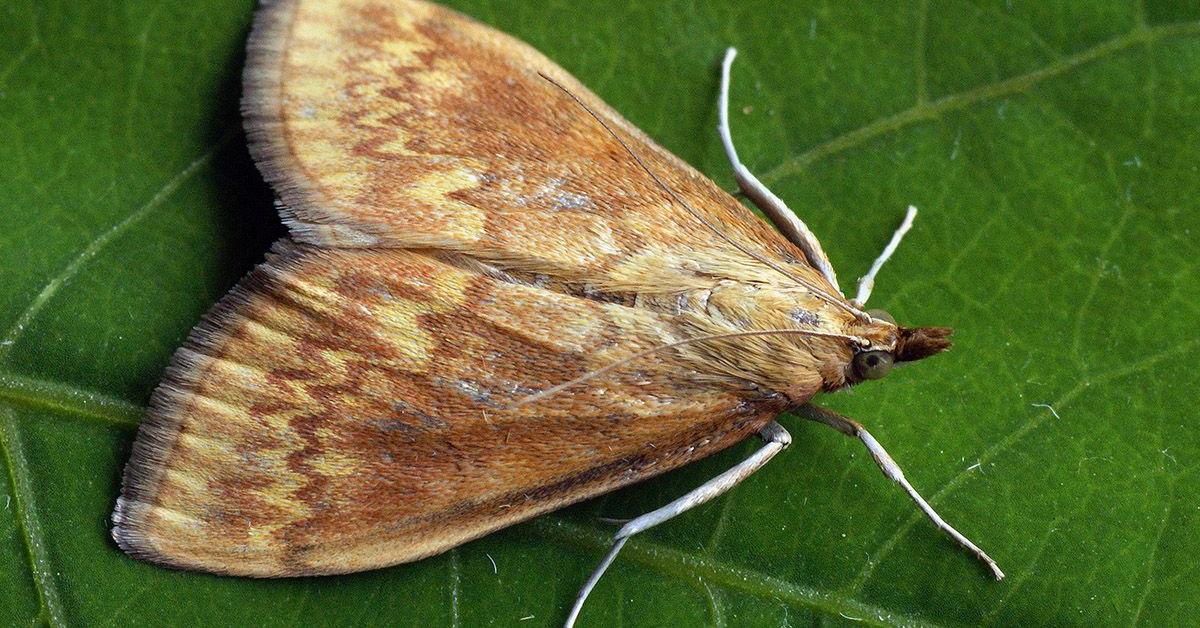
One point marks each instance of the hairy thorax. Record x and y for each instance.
(760, 347)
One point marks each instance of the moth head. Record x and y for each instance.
(910, 344)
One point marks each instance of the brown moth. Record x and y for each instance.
(498, 298)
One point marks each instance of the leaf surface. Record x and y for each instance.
(1050, 146)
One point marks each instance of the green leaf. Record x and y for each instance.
(1051, 147)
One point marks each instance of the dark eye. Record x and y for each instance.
(881, 315)
(872, 364)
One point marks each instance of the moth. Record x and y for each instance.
(498, 297)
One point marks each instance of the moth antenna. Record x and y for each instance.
(637, 356)
(695, 214)
(867, 283)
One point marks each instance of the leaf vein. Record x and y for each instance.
(1152, 559)
(964, 99)
(99, 242)
(690, 567)
(455, 588)
(30, 392)
(921, 65)
(31, 529)
(714, 606)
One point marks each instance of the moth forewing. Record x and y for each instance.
(498, 298)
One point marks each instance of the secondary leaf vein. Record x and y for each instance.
(954, 102)
(31, 529)
(99, 242)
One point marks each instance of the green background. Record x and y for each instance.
(1051, 146)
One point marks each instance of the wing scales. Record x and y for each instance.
(406, 124)
(349, 409)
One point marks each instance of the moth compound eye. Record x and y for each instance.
(872, 364)
(881, 315)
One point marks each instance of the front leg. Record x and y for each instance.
(889, 467)
(784, 219)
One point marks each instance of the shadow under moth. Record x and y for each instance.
(498, 298)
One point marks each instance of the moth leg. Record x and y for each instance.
(784, 219)
(775, 439)
(867, 282)
(889, 467)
